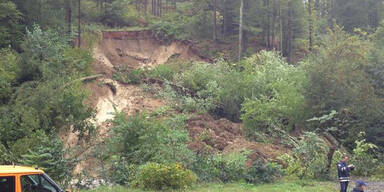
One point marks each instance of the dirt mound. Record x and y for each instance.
(222, 135)
(139, 49)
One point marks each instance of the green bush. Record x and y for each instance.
(49, 155)
(9, 72)
(123, 173)
(278, 99)
(163, 72)
(231, 167)
(263, 172)
(130, 76)
(160, 176)
(165, 31)
(337, 156)
(309, 158)
(142, 139)
(364, 159)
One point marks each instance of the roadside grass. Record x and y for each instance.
(296, 186)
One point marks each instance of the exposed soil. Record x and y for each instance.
(208, 134)
(139, 49)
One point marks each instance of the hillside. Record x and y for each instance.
(189, 94)
(139, 49)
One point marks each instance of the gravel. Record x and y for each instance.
(372, 186)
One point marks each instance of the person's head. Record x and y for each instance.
(345, 158)
(361, 185)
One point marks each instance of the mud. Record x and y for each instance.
(222, 135)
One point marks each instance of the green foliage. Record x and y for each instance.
(279, 95)
(10, 27)
(162, 176)
(263, 172)
(336, 158)
(338, 81)
(119, 13)
(9, 72)
(231, 166)
(48, 155)
(141, 139)
(124, 173)
(164, 31)
(42, 96)
(309, 158)
(43, 54)
(134, 76)
(163, 72)
(364, 158)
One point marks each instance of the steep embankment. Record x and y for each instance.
(107, 96)
(134, 49)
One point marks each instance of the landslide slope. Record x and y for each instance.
(138, 49)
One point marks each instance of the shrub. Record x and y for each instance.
(130, 76)
(364, 158)
(379, 173)
(309, 158)
(337, 156)
(160, 176)
(165, 31)
(263, 172)
(277, 99)
(141, 139)
(123, 173)
(50, 156)
(163, 72)
(231, 166)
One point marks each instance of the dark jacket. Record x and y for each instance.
(343, 171)
(357, 190)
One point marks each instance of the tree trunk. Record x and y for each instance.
(160, 8)
(79, 24)
(69, 17)
(214, 20)
(274, 17)
(310, 21)
(166, 6)
(289, 37)
(105, 6)
(241, 30)
(280, 29)
(223, 29)
(145, 7)
(268, 24)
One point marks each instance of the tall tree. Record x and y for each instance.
(241, 27)
(79, 24)
(214, 20)
(310, 24)
(69, 16)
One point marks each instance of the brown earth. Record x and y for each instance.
(222, 135)
(137, 49)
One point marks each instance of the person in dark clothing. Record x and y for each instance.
(360, 186)
(343, 170)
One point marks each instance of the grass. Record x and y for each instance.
(298, 186)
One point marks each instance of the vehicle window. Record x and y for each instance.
(7, 184)
(36, 183)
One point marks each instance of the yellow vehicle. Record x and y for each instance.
(25, 179)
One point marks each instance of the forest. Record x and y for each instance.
(194, 95)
